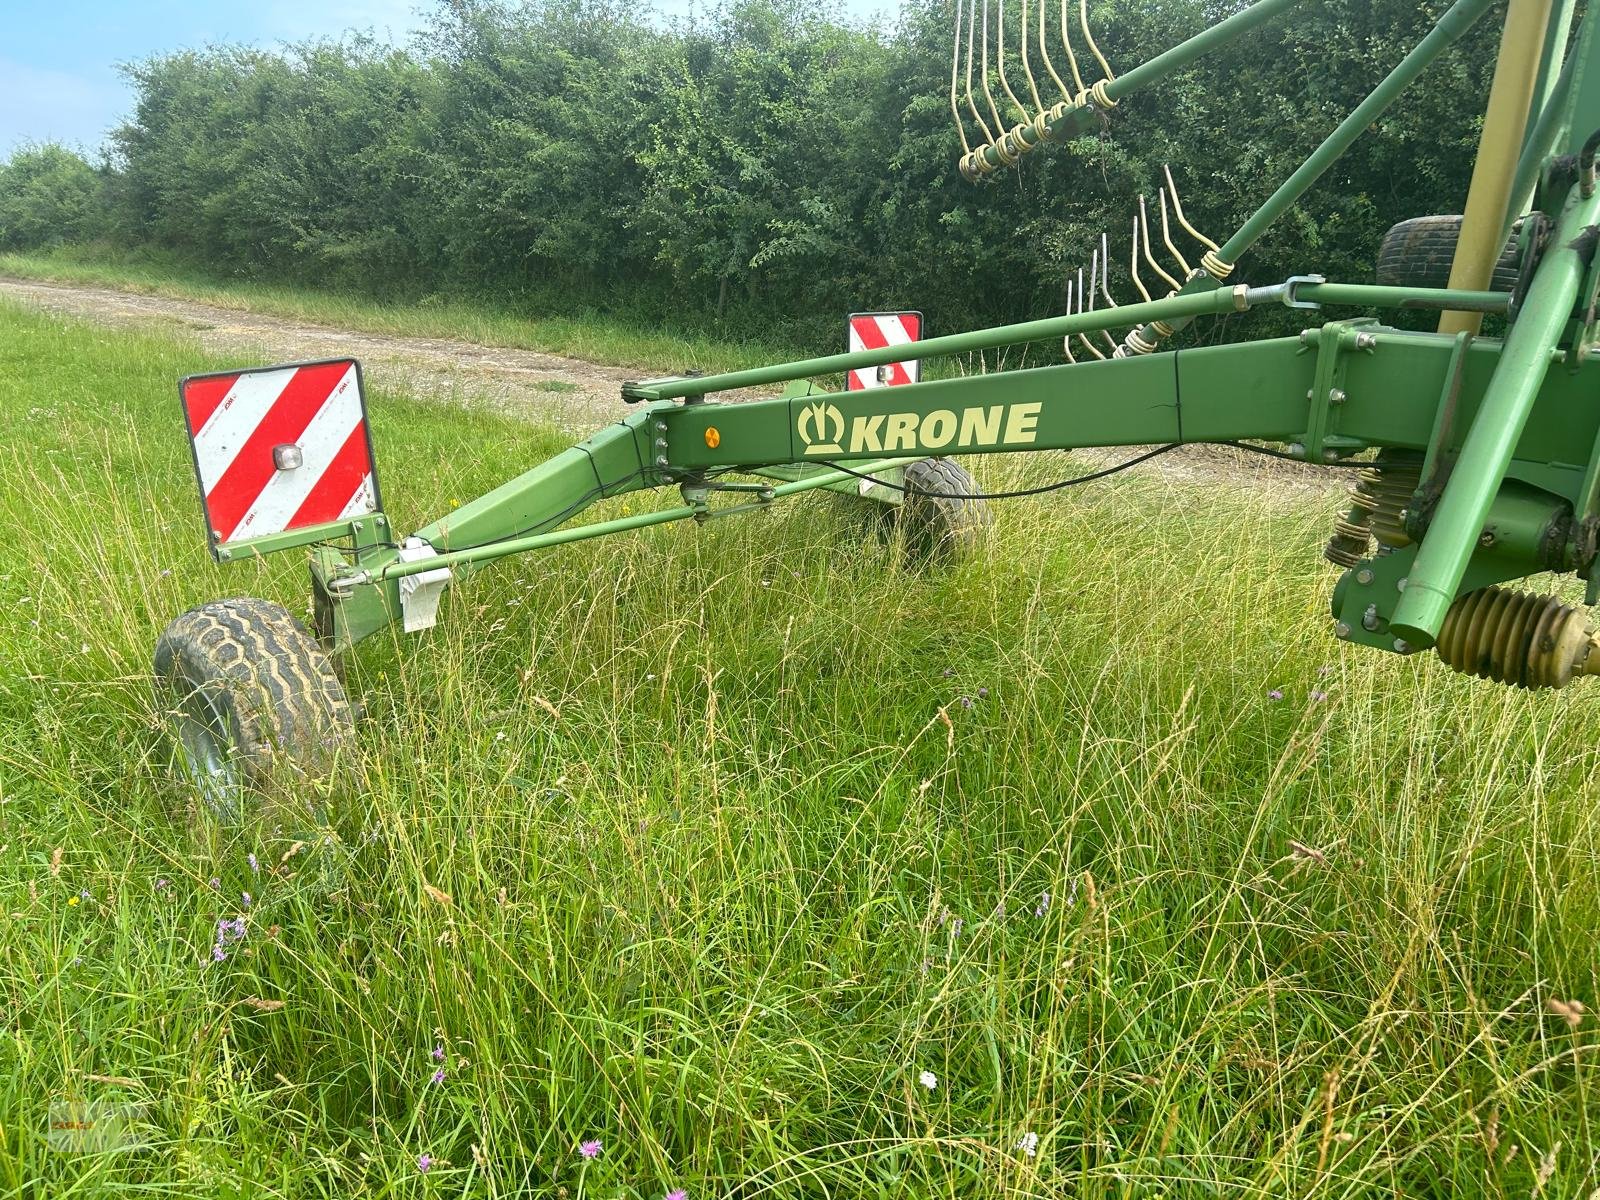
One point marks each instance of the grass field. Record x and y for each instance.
(587, 335)
(707, 843)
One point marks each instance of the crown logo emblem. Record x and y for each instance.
(821, 427)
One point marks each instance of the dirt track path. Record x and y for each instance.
(574, 395)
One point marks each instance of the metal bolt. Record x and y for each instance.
(1311, 393)
(661, 426)
(1364, 575)
(661, 460)
(1400, 586)
(1370, 619)
(1296, 449)
(1366, 341)
(1305, 337)
(1401, 646)
(1341, 631)
(661, 443)
(355, 527)
(1486, 539)
(1336, 396)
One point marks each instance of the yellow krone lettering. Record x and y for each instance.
(986, 425)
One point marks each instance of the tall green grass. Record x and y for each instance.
(707, 843)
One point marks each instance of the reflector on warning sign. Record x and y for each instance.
(278, 449)
(873, 331)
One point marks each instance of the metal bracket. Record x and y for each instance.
(1333, 341)
(419, 594)
(1291, 291)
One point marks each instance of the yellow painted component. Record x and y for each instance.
(1518, 638)
(713, 437)
(1516, 71)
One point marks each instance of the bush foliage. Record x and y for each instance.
(770, 165)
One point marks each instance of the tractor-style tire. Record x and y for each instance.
(252, 704)
(937, 520)
(1419, 252)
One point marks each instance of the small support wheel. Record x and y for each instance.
(938, 519)
(250, 700)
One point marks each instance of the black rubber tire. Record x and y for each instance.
(1418, 253)
(936, 519)
(251, 701)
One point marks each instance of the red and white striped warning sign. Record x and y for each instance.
(280, 448)
(873, 331)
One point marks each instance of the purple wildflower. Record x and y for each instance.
(1043, 906)
(424, 1162)
(676, 1194)
(163, 884)
(983, 693)
(1317, 697)
(84, 895)
(255, 864)
(949, 671)
(1275, 694)
(590, 1149)
(216, 884)
(245, 896)
(438, 1052)
(965, 701)
(218, 953)
(438, 1076)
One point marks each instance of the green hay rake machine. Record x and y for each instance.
(1478, 457)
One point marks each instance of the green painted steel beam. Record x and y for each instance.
(1216, 300)
(1451, 26)
(1497, 428)
(581, 533)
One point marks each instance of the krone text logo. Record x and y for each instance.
(822, 428)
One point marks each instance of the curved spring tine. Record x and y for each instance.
(1133, 261)
(1105, 273)
(1177, 211)
(1151, 258)
(955, 68)
(1083, 337)
(972, 27)
(1083, 19)
(1096, 282)
(1000, 57)
(1066, 342)
(994, 109)
(1072, 59)
(1033, 88)
(1166, 236)
(1044, 53)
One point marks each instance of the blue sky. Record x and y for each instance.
(58, 77)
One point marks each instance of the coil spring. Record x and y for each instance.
(1379, 499)
(1518, 638)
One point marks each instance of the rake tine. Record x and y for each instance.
(1000, 57)
(972, 17)
(1083, 19)
(1072, 59)
(1083, 337)
(1027, 71)
(1133, 261)
(1096, 283)
(994, 109)
(1044, 52)
(1177, 211)
(1066, 342)
(1151, 258)
(1105, 273)
(955, 65)
(1166, 236)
